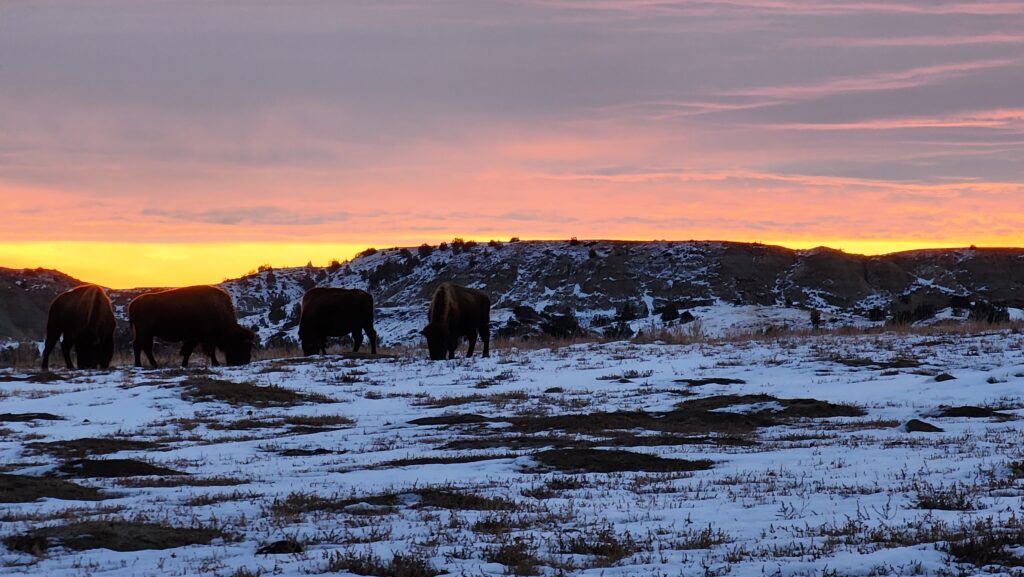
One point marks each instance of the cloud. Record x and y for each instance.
(877, 81)
(938, 41)
(259, 215)
(1005, 119)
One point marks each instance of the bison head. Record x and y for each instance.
(237, 345)
(437, 342)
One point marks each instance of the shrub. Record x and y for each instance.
(368, 252)
(425, 250)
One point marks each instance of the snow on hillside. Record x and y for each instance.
(782, 457)
(614, 289)
(618, 289)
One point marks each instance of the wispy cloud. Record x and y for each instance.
(1007, 119)
(895, 41)
(249, 215)
(877, 81)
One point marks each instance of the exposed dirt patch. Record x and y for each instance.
(710, 381)
(386, 503)
(919, 426)
(972, 413)
(305, 452)
(445, 460)
(86, 468)
(25, 417)
(696, 421)
(457, 500)
(624, 439)
(499, 399)
(40, 377)
(114, 535)
(680, 422)
(897, 363)
(283, 547)
(206, 389)
(460, 419)
(79, 448)
(25, 489)
(182, 480)
(611, 461)
(792, 408)
(944, 377)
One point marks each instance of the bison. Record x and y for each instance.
(85, 318)
(457, 312)
(191, 315)
(334, 312)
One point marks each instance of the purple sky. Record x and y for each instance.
(391, 122)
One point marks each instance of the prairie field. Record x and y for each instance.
(801, 455)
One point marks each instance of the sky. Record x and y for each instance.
(172, 142)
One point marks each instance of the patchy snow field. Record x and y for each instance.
(775, 457)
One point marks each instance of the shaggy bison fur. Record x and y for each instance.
(456, 312)
(334, 312)
(196, 315)
(85, 319)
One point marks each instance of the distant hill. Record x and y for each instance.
(25, 296)
(614, 288)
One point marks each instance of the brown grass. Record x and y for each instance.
(80, 448)
(89, 468)
(206, 389)
(114, 535)
(612, 461)
(25, 489)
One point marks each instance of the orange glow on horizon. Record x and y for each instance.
(130, 265)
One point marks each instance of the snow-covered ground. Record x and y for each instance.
(723, 477)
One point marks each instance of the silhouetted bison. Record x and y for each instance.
(457, 312)
(191, 315)
(85, 318)
(334, 312)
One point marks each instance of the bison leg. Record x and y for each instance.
(472, 345)
(186, 352)
(65, 349)
(211, 350)
(106, 352)
(371, 335)
(51, 341)
(144, 344)
(85, 350)
(485, 336)
(357, 340)
(453, 344)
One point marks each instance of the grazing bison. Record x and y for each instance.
(334, 312)
(192, 315)
(85, 318)
(457, 312)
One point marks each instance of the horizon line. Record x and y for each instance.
(162, 261)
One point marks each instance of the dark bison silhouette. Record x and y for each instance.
(334, 312)
(85, 318)
(456, 312)
(191, 315)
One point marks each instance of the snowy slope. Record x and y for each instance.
(616, 288)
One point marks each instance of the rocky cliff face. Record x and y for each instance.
(609, 287)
